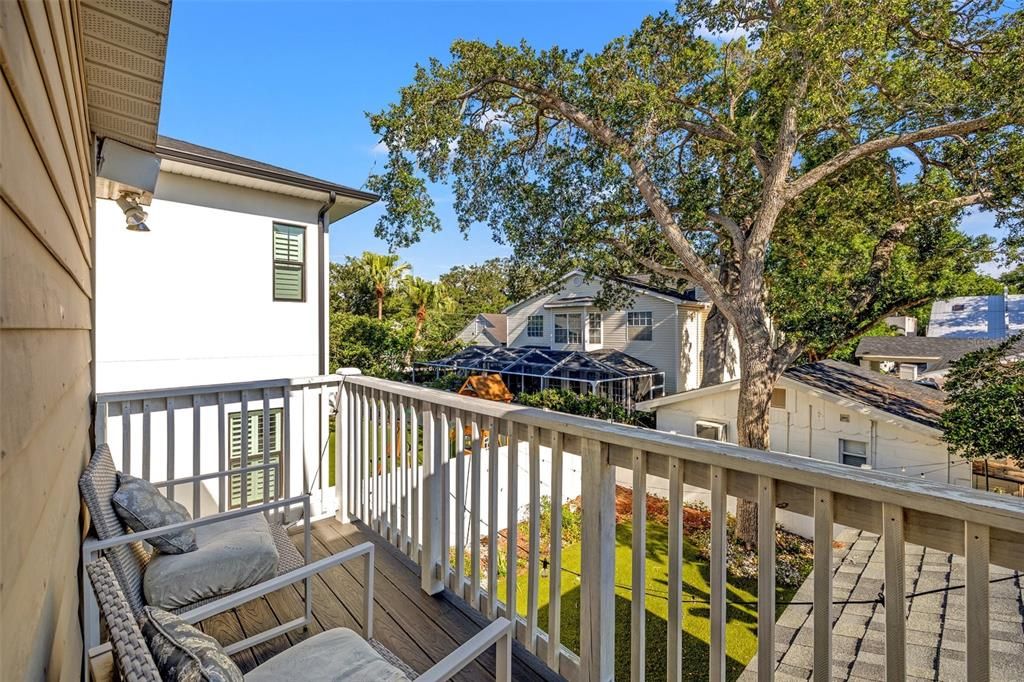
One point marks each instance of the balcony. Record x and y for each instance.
(425, 473)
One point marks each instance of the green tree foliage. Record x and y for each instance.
(426, 299)
(378, 348)
(585, 405)
(384, 272)
(1014, 280)
(984, 415)
(724, 163)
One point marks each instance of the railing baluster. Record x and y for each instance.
(403, 482)
(147, 452)
(265, 416)
(244, 429)
(474, 514)
(895, 594)
(285, 469)
(197, 465)
(100, 422)
(126, 437)
(342, 493)
(674, 652)
(977, 548)
(765, 579)
(638, 636)
(169, 464)
(555, 555)
(324, 454)
(445, 452)
(374, 468)
(458, 520)
(393, 505)
(365, 429)
(493, 443)
(224, 485)
(533, 565)
(597, 584)
(382, 463)
(512, 531)
(416, 505)
(434, 438)
(718, 577)
(823, 511)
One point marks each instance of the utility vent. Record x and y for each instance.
(844, 418)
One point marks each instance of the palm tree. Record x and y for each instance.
(425, 297)
(383, 270)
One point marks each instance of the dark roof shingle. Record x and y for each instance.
(890, 394)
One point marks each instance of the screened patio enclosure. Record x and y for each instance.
(610, 373)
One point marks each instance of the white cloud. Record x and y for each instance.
(723, 36)
(379, 149)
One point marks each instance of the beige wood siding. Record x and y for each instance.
(45, 335)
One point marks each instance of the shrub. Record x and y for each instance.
(585, 405)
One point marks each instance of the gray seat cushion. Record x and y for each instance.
(337, 655)
(232, 555)
(142, 507)
(183, 653)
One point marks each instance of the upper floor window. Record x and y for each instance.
(568, 328)
(594, 328)
(709, 430)
(289, 262)
(853, 452)
(640, 326)
(535, 326)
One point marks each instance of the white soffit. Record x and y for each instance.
(124, 47)
(343, 205)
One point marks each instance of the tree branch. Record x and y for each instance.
(649, 263)
(845, 158)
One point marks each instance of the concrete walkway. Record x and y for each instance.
(936, 643)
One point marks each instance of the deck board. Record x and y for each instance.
(419, 628)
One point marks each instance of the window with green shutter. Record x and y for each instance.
(255, 478)
(289, 262)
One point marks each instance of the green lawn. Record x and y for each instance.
(741, 628)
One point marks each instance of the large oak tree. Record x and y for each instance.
(808, 175)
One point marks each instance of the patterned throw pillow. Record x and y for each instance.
(141, 506)
(183, 653)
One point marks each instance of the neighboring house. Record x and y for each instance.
(915, 357)
(978, 317)
(660, 327)
(485, 329)
(832, 411)
(229, 283)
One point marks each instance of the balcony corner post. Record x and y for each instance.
(431, 581)
(597, 596)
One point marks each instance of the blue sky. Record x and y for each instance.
(288, 83)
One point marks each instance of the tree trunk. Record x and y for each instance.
(380, 307)
(758, 374)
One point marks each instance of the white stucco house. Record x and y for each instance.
(229, 282)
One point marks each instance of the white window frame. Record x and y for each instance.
(844, 453)
(531, 331)
(635, 330)
(590, 329)
(722, 428)
(568, 337)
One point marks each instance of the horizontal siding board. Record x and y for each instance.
(51, 59)
(42, 293)
(31, 193)
(39, 366)
(32, 88)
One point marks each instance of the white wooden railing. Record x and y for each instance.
(183, 434)
(399, 472)
(398, 455)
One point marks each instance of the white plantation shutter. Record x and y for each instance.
(255, 478)
(289, 262)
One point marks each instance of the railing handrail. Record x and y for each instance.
(878, 486)
(205, 389)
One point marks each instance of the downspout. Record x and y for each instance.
(322, 228)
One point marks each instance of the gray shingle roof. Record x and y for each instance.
(923, 347)
(890, 394)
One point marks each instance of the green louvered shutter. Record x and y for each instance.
(289, 262)
(255, 478)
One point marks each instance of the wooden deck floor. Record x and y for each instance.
(417, 627)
